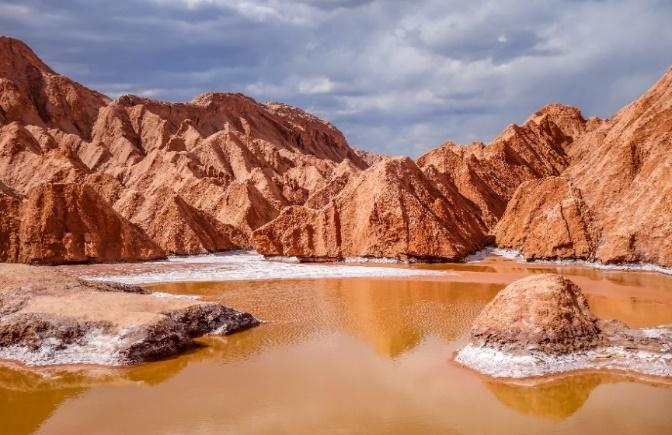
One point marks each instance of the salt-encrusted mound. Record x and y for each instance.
(545, 312)
(542, 324)
(47, 317)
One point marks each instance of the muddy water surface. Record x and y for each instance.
(352, 356)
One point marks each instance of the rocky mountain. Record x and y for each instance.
(613, 202)
(488, 175)
(390, 210)
(441, 207)
(87, 178)
(184, 177)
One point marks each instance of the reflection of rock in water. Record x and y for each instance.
(561, 396)
(29, 396)
(394, 316)
(26, 401)
(555, 399)
(23, 412)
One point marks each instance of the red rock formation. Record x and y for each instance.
(390, 210)
(10, 203)
(176, 226)
(621, 172)
(194, 177)
(66, 223)
(465, 192)
(32, 93)
(547, 218)
(224, 172)
(489, 174)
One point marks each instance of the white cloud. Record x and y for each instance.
(317, 85)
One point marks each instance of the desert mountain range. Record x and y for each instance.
(86, 178)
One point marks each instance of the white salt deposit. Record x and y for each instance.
(517, 255)
(490, 251)
(373, 260)
(163, 295)
(500, 364)
(635, 267)
(243, 266)
(96, 347)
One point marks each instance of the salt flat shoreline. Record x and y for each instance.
(50, 317)
(251, 266)
(67, 286)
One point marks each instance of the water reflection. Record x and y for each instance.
(560, 397)
(29, 396)
(392, 316)
(555, 399)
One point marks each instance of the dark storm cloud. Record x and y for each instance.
(395, 76)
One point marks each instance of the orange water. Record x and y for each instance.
(352, 356)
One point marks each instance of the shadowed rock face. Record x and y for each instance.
(542, 324)
(548, 218)
(32, 93)
(48, 317)
(67, 223)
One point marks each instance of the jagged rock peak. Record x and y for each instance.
(16, 54)
(209, 99)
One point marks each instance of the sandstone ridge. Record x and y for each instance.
(183, 178)
(84, 178)
(613, 203)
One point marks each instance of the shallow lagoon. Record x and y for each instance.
(351, 355)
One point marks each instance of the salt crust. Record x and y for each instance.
(244, 266)
(500, 364)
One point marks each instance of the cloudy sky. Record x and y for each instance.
(396, 76)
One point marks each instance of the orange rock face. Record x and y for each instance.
(391, 210)
(438, 208)
(66, 223)
(488, 175)
(32, 93)
(188, 178)
(548, 218)
(616, 195)
(226, 172)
